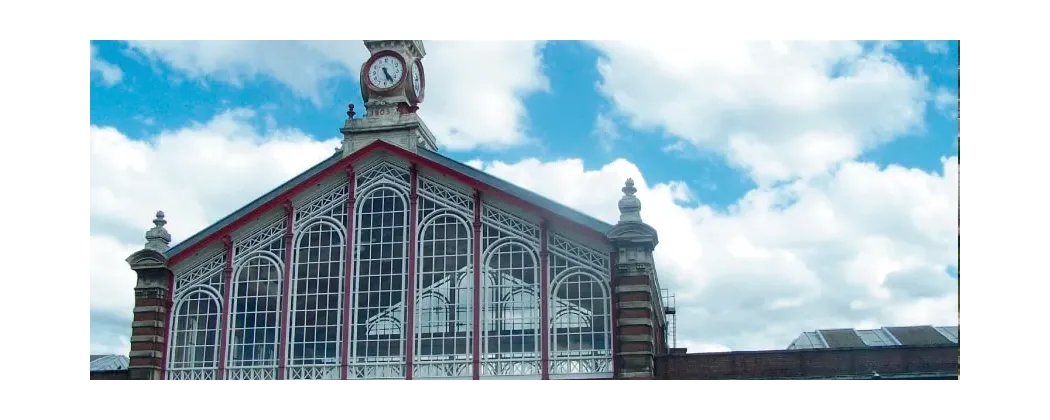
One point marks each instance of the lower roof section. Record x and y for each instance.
(922, 335)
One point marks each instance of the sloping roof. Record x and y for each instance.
(102, 362)
(921, 335)
(466, 170)
(522, 193)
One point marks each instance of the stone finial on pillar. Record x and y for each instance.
(158, 238)
(152, 302)
(639, 315)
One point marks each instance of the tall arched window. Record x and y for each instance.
(380, 284)
(444, 307)
(194, 336)
(511, 310)
(580, 324)
(316, 303)
(255, 318)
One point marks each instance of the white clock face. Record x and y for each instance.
(417, 79)
(385, 72)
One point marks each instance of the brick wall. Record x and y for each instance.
(110, 375)
(811, 363)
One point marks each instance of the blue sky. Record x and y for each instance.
(769, 154)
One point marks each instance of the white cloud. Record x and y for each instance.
(862, 246)
(197, 175)
(467, 104)
(936, 47)
(605, 131)
(110, 73)
(946, 102)
(778, 110)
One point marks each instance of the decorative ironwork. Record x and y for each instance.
(258, 239)
(582, 253)
(444, 293)
(251, 373)
(510, 224)
(316, 304)
(510, 331)
(382, 171)
(326, 201)
(200, 272)
(191, 374)
(447, 196)
(380, 286)
(254, 329)
(194, 334)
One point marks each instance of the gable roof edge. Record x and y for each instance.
(514, 194)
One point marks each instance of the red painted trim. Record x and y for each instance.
(376, 56)
(169, 302)
(227, 278)
(544, 298)
(348, 268)
(615, 313)
(477, 285)
(286, 295)
(410, 307)
(562, 222)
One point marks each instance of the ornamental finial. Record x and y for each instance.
(630, 206)
(350, 112)
(158, 238)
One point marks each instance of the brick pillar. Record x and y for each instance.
(152, 303)
(637, 293)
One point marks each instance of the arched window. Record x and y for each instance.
(444, 307)
(380, 286)
(255, 317)
(580, 325)
(511, 310)
(194, 335)
(316, 303)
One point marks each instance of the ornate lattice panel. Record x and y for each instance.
(510, 338)
(255, 318)
(382, 172)
(316, 303)
(191, 374)
(377, 369)
(259, 239)
(322, 204)
(579, 309)
(444, 292)
(380, 285)
(509, 225)
(580, 254)
(313, 372)
(193, 342)
(251, 373)
(202, 272)
(446, 197)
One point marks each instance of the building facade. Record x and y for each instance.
(389, 260)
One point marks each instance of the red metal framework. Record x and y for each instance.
(477, 286)
(528, 304)
(410, 312)
(227, 276)
(348, 283)
(289, 228)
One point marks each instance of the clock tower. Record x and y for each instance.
(393, 86)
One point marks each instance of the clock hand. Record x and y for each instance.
(388, 78)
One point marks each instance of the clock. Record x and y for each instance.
(417, 83)
(385, 71)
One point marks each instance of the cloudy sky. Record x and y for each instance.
(795, 186)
